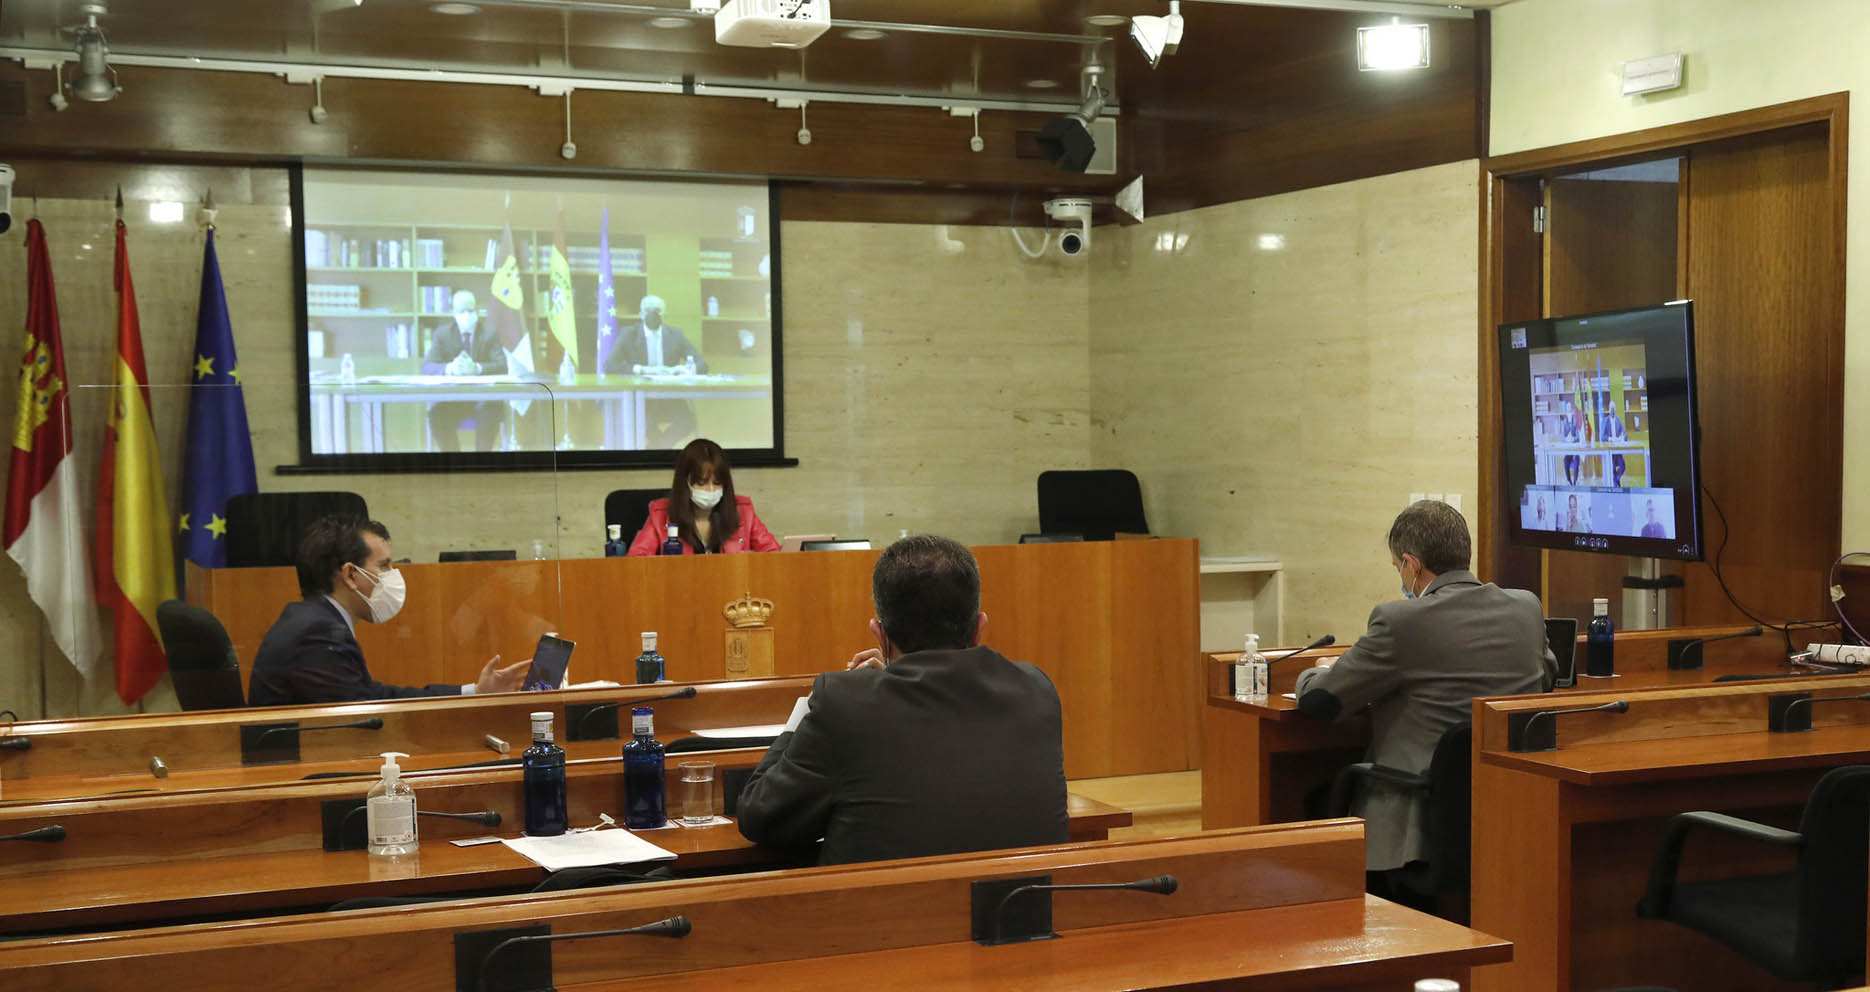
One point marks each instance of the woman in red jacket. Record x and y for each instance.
(708, 517)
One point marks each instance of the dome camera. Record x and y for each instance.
(1075, 215)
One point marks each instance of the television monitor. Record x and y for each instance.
(457, 319)
(1600, 432)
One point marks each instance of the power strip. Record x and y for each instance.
(1840, 654)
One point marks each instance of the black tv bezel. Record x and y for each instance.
(311, 463)
(1634, 547)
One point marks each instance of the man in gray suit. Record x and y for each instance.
(1422, 662)
(931, 744)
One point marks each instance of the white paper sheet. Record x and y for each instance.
(583, 850)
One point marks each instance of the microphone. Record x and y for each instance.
(44, 835)
(1161, 885)
(585, 712)
(1686, 653)
(1779, 717)
(675, 927)
(1323, 642)
(368, 723)
(1520, 736)
(15, 743)
(485, 817)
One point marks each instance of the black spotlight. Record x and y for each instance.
(1067, 142)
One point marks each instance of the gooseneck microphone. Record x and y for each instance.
(1687, 653)
(44, 835)
(1807, 701)
(485, 817)
(674, 927)
(1323, 642)
(368, 723)
(687, 692)
(1521, 734)
(15, 743)
(1161, 885)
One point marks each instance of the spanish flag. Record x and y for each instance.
(135, 564)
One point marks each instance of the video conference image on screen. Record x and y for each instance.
(471, 313)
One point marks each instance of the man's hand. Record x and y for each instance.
(462, 365)
(867, 658)
(493, 678)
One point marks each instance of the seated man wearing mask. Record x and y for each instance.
(1421, 663)
(932, 744)
(311, 655)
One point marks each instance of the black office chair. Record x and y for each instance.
(1098, 503)
(1443, 878)
(201, 657)
(1806, 925)
(264, 528)
(841, 544)
(629, 509)
(1050, 538)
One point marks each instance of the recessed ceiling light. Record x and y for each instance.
(1105, 20)
(454, 9)
(863, 34)
(1040, 84)
(669, 23)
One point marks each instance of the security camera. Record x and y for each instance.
(568, 150)
(6, 198)
(1072, 212)
(318, 113)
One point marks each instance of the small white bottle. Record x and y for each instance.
(1250, 671)
(347, 369)
(567, 372)
(714, 306)
(390, 811)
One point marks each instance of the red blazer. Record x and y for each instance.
(752, 535)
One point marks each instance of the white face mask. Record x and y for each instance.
(705, 499)
(386, 600)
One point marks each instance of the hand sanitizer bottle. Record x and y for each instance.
(1250, 671)
(390, 811)
(650, 666)
(688, 364)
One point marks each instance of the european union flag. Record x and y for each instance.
(218, 463)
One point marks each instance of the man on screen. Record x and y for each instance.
(462, 347)
(651, 346)
(1652, 527)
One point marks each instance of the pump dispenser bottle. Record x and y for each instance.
(390, 810)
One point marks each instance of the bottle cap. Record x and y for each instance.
(649, 641)
(675, 531)
(1600, 607)
(615, 531)
(1253, 642)
(543, 716)
(390, 768)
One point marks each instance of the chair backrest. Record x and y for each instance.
(1450, 794)
(1832, 865)
(264, 528)
(629, 509)
(851, 544)
(1098, 503)
(202, 663)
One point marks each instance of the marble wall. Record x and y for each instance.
(1283, 373)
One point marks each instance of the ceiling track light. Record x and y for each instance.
(95, 80)
(568, 150)
(1158, 36)
(976, 143)
(1067, 142)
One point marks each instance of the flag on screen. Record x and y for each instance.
(507, 313)
(558, 308)
(44, 529)
(135, 564)
(218, 462)
(606, 296)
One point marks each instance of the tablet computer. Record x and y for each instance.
(1561, 633)
(549, 662)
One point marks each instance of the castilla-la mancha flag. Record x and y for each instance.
(44, 526)
(135, 563)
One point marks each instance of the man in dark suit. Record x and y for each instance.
(1421, 662)
(462, 347)
(930, 744)
(650, 345)
(310, 654)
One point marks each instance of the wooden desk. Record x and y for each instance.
(142, 860)
(1272, 908)
(1114, 623)
(1563, 839)
(99, 756)
(1261, 758)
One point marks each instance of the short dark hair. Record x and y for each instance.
(927, 592)
(1435, 533)
(328, 545)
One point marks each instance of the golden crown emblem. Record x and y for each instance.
(748, 611)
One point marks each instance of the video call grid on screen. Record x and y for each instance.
(430, 338)
(1599, 423)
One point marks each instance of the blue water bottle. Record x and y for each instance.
(645, 805)
(650, 666)
(613, 541)
(672, 545)
(1600, 642)
(543, 775)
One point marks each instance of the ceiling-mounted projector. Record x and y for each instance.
(772, 23)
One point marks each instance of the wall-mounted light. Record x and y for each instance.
(1158, 36)
(1392, 46)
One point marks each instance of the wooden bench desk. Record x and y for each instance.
(139, 860)
(1563, 839)
(1270, 908)
(1260, 759)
